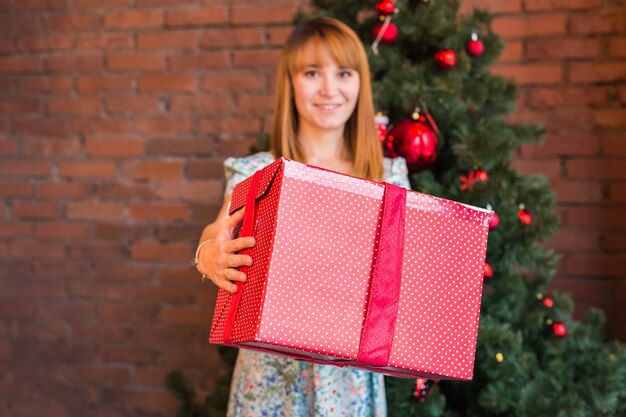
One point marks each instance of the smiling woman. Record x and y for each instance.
(323, 116)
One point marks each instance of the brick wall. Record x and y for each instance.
(115, 116)
(569, 59)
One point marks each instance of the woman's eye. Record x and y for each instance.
(345, 73)
(311, 73)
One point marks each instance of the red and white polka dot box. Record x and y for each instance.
(354, 272)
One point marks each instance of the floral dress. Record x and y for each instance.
(267, 385)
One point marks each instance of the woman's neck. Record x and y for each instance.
(323, 145)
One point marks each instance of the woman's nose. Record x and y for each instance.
(329, 86)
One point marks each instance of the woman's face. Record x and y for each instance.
(326, 95)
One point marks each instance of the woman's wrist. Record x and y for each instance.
(195, 261)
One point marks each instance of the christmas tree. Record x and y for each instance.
(447, 118)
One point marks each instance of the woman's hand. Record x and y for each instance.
(218, 259)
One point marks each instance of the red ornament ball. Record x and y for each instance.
(494, 222)
(525, 217)
(445, 59)
(488, 271)
(559, 329)
(389, 35)
(423, 387)
(475, 46)
(385, 7)
(415, 141)
(548, 302)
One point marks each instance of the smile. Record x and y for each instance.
(327, 106)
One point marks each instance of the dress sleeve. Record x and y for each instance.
(397, 172)
(238, 169)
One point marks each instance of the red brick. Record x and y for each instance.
(610, 118)
(560, 120)
(100, 84)
(259, 58)
(550, 5)
(45, 84)
(127, 312)
(20, 64)
(50, 147)
(103, 375)
(163, 295)
(20, 106)
(551, 49)
(150, 377)
(63, 230)
(123, 191)
(133, 19)
(70, 22)
(570, 145)
(494, 6)
(540, 73)
(596, 218)
(14, 230)
(78, 105)
(617, 47)
(614, 242)
(14, 189)
(140, 399)
(154, 170)
(100, 292)
(50, 42)
(132, 104)
(130, 62)
(235, 147)
(597, 23)
(229, 125)
(551, 168)
(87, 169)
(578, 191)
(152, 251)
(128, 272)
(549, 97)
(19, 24)
(100, 4)
(152, 212)
(196, 16)
(568, 240)
(8, 147)
(189, 316)
(103, 211)
(163, 124)
(233, 81)
(227, 38)
(190, 191)
(36, 210)
(37, 249)
(200, 61)
(41, 5)
(114, 147)
(201, 104)
(88, 332)
(40, 168)
(255, 104)
(100, 125)
(531, 25)
(182, 39)
(53, 190)
(173, 82)
(617, 192)
(43, 127)
(262, 14)
(129, 355)
(596, 168)
(596, 265)
(277, 36)
(99, 41)
(7, 46)
(74, 63)
(597, 72)
(180, 146)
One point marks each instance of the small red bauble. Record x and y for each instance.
(381, 121)
(559, 329)
(423, 387)
(475, 47)
(488, 271)
(445, 59)
(494, 222)
(389, 35)
(413, 140)
(385, 7)
(548, 302)
(525, 217)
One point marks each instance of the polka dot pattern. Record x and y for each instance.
(307, 290)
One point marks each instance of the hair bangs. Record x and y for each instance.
(323, 42)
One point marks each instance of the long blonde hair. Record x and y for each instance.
(347, 51)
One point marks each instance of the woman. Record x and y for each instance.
(323, 116)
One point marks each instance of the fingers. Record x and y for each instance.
(235, 261)
(230, 275)
(238, 244)
(236, 217)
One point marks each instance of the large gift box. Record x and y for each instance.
(358, 273)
